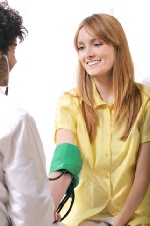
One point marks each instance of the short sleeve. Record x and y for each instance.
(145, 126)
(66, 112)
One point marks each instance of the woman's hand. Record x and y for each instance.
(57, 217)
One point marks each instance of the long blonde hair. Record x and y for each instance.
(127, 95)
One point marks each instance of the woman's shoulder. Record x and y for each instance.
(72, 92)
(70, 97)
(145, 90)
(145, 94)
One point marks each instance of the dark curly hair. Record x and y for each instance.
(11, 27)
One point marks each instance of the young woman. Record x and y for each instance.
(105, 121)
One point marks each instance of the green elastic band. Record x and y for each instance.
(67, 156)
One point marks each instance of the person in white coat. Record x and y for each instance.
(24, 186)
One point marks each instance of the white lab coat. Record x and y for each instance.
(24, 187)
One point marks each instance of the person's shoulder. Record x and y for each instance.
(71, 94)
(145, 90)
(70, 97)
(11, 104)
(145, 94)
(11, 112)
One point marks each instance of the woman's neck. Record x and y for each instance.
(105, 89)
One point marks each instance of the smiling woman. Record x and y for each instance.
(104, 120)
(88, 47)
(46, 60)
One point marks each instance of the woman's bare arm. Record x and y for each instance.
(59, 186)
(139, 188)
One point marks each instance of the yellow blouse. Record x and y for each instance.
(108, 164)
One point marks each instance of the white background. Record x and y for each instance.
(47, 59)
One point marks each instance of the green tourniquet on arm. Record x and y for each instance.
(67, 156)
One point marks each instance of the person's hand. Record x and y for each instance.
(57, 217)
(118, 222)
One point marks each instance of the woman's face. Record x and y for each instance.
(95, 55)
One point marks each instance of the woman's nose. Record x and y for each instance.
(89, 53)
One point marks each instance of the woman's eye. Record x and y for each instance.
(80, 47)
(98, 44)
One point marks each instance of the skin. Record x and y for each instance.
(97, 58)
(139, 188)
(4, 64)
(3, 71)
(11, 56)
(101, 56)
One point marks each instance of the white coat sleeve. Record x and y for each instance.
(30, 203)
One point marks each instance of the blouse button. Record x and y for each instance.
(106, 155)
(106, 176)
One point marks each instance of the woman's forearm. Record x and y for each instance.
(139, 187)
(134, 199)
(58, 187)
